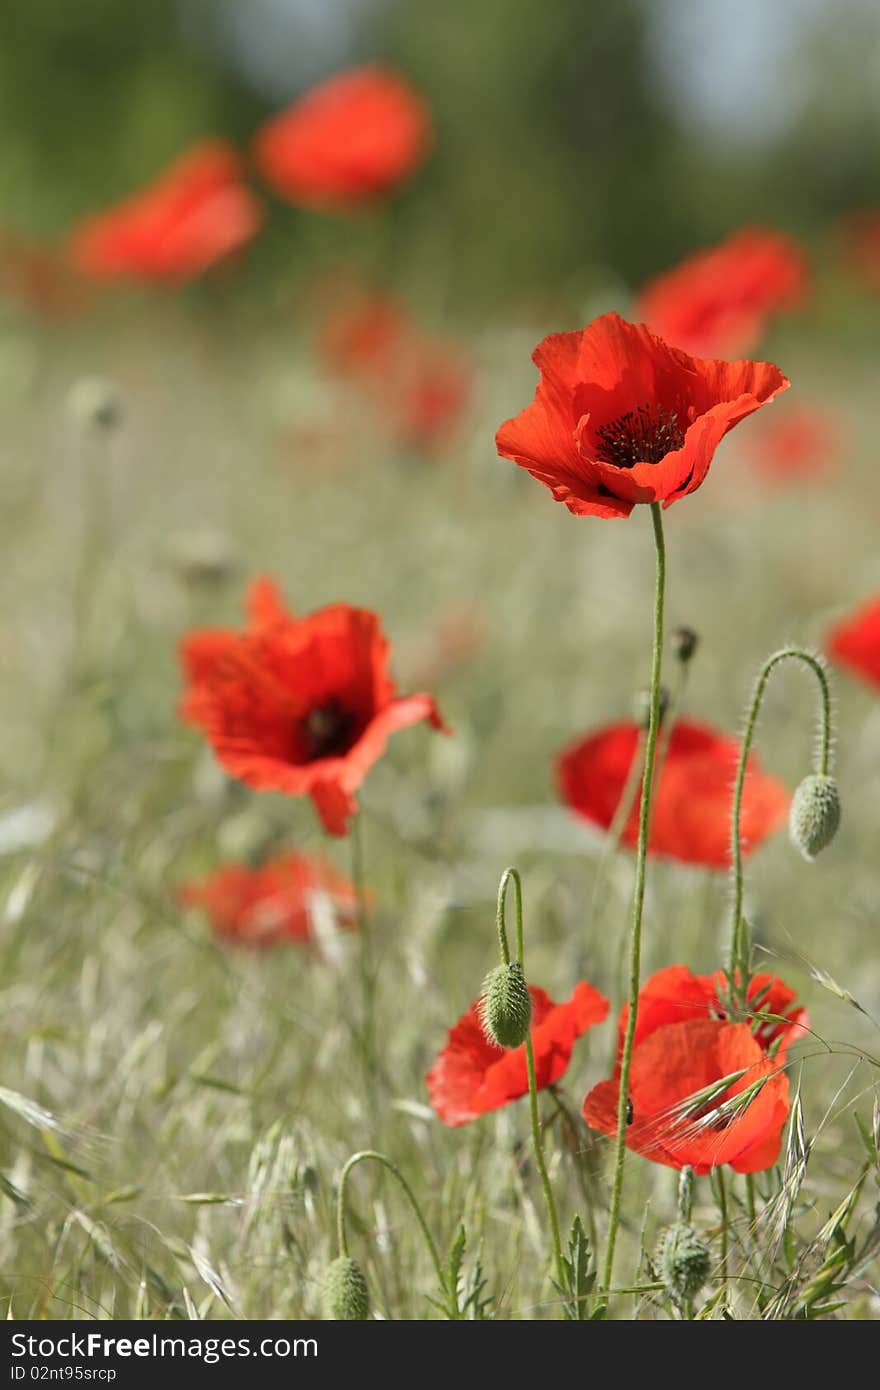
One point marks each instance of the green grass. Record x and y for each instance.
(187, 1108)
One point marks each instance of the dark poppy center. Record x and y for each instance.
(328, 731)
(644, 435)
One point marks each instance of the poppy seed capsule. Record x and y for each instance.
(685, 642)
(684, 1261)
(506, 1006)
(346, 1297)
(814, 815)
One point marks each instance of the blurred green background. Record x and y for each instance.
(575, 139)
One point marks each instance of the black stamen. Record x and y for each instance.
(327, 731)
(645, 435)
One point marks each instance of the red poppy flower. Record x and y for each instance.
(419, 385)
(861, 237)
(800, 443)
(855, 643)
(273, 903)
(472, 1076)
(620, 417)
(693, 797)
(298, 705)
(348, 140)
(192, 216)
(684, 1047)
(717, 302)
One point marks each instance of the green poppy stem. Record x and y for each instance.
(635, 956)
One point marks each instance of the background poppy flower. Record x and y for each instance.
(298, 705)
(683, 1043)
(192, 216)
(619, 417)
(861, 242)
(473, 1076)
(718, 302)
(348, 140)
(796, 444)
(418, 385)
(693, 797)
(855, 643)
(273, 903)
(39, 279)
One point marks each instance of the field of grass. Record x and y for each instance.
(175, 1112)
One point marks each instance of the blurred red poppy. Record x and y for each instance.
(298, 705)
(273, 903)
(855, 642)
(196, 213)
(861, 239)
(38, 278)
(348, 140)
(684, 1050)
(718, 302)
(619, 417)
(473, 1076)
(798, 444)
(693, 796)
(419, 385)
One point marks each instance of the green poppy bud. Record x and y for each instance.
(346, 1297)
(506, 1006)
(814, 815)
(684, 1261)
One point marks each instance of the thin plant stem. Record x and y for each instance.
(511, 875)
(639, 893)
(739, 950)
(367, 1032)
(373, 1156)
(722, 1209)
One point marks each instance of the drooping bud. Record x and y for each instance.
(684, 643)
(684, 1261)
(506, 1006)
(96, 403)
(814, 815)
(346, 1297)
(643, 706)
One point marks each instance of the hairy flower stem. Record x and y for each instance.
(537, 1140)
(367, 1030)
(635, 956)
(370, 1154)
(738, 972)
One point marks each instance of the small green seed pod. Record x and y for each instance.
(346, 1297)
(684, 1261)
(684, 643)
(506, 1006)
(814, 815)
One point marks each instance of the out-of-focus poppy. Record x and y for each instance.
(298, 705)
(693, 796)
(685, 1049)
(855, 642)
(861, 242)
(347, 141)
(273, 903)
(472, 1075)
(717, 303)
(620, 417)
(418, 384)
(195, 214)
(796, 445)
